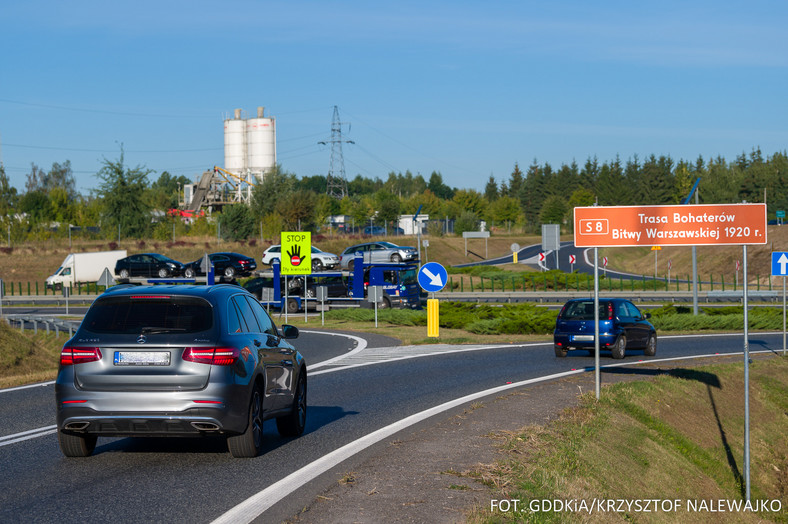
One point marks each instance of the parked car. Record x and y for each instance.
(399, 282)
(176, 361)
(320, 259)
(374, 230)
(378, 252)
(227, 264)
(263, 289)
(622, 326)
(148, 265)
(336, 286)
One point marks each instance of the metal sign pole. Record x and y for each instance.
(746, 385)
(596, 323)
(783, 316)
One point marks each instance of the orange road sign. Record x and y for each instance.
(679, 225)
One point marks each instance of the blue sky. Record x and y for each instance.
(464, 88)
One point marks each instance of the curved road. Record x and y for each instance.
(355, 389)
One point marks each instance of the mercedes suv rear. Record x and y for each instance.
(182, 361)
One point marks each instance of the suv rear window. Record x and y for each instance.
(149, 315)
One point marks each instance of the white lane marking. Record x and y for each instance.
(40, 384)
(392, 354)
(257, 504)
(382, 355)
(27, 435)
(361, 345)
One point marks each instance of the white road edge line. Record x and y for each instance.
(27, 435)
(361, 345)
(255, 505)
(28, 386)
(420, 355)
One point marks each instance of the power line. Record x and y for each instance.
(403, 144)
(79, 150)
(99, 111)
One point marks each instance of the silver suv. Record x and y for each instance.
(378, 252)
(179, 361)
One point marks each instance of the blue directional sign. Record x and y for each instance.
(779, 264)
(432, 277)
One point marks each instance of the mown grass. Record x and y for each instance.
(679, 436)
(27, 358)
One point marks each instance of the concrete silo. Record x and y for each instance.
(250, 144)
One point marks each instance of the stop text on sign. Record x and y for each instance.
(693, 225)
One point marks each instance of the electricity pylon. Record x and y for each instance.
(337, 183)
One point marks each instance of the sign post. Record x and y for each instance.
(682, 225)
(670, 264)
(655, 249)
(432, 277)
(572, 263)
(551, 239)
(780, 269)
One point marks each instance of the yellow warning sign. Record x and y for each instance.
(296, 253)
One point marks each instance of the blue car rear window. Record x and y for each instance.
(583, 311)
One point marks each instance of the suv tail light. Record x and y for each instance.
(75, 355)
(610, 311)
(212, 356)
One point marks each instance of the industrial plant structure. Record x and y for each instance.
(249, 153)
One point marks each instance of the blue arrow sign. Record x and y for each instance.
(432, 277)
(779, 264)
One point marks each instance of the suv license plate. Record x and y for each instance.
(142, 358)
(583, 338)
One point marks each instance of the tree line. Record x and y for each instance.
(127, 204)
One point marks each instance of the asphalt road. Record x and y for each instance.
(196, 480)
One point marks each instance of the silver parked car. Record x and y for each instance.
(320, 259)
(378, 252)
(179, 361)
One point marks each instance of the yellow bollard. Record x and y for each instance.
(432, 317)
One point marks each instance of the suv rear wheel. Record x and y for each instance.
(560, 351)
(76, 445)
(249, 443)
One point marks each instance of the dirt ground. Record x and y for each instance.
(419, 476)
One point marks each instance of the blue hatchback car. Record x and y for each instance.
(622, 326)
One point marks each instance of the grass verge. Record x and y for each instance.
(26, 358)
(679, 437)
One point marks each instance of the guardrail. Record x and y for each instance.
(555, 282)
(55, 323)
(550, 296)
